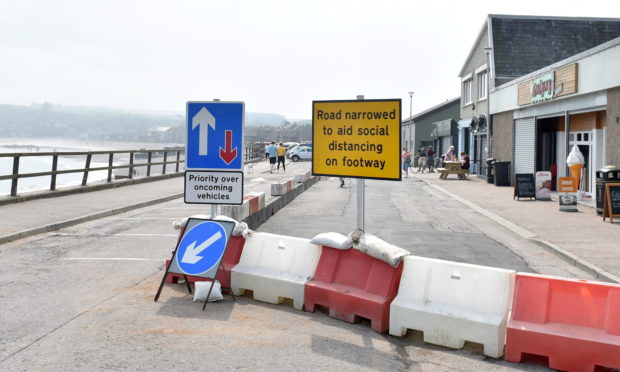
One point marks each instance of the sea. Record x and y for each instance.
(34, 164)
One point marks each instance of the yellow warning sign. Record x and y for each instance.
(358, 139)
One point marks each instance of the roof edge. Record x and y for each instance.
(485, 24)
(434, 108)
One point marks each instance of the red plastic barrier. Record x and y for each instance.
(575, 323)
(231, 258)
(253, 204)
(353, 284)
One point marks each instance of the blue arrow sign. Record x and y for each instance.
(215, 135)
(201, 248)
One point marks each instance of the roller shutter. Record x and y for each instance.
(525, 145)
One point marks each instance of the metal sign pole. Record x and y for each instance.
(213, 210)
(360, 195)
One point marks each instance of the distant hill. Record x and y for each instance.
(50, 120)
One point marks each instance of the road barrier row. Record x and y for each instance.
(573, 323)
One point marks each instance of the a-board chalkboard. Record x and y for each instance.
(525, 186)
(611, 208)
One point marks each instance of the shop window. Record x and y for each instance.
(482, 85)
(467, 91)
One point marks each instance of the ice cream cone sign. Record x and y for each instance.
(575, 162)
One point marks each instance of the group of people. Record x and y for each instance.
(273, 153)
(426, 159)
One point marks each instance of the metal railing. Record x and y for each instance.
(130, 164)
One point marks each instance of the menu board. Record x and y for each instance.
(525, 187)
(611, 208)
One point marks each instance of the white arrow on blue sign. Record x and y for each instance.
(215, 135)
(201, 249)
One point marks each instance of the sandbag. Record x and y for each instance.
(201, 289)
(381, 250)
(333, 240)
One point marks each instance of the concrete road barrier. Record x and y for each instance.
(575, 323)
(275, 267)
(282, 187)
(353, 284)
(302, 177)
(453, 302)
(256, 202)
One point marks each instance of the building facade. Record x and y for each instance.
(421, 128)
(575, 101)
(507, 48)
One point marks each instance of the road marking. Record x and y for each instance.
(114, 259)
(143, 218)
(89, 234)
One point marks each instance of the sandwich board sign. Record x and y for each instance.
(200, 250)
(214, 145)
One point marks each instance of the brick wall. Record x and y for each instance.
(612, 130)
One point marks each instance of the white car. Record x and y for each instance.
(301, 153)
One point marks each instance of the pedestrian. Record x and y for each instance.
(465, 163)
(272, 151)
(267, 151)
(450, 156)
(281, 150)
(406, 161)
(421, 159)
(341, 181)
(430, 159)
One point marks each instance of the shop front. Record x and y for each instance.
(445, 134)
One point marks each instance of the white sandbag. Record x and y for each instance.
(381, 250)
(240, 229)
(201, 289)
(355, 235)
(333, 239)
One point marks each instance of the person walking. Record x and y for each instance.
(267, 152)
(272, 151)
(406, 161)
(421, 159)
(281, 153)
(430, 159)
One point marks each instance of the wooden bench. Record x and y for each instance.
(453, 168)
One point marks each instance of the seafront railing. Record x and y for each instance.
(131, 159)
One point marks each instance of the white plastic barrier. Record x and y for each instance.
(452, 302)
(275, 267)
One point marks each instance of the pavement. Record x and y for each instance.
(36, 216)
(581, 238)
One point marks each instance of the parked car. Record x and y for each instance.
(301, 153)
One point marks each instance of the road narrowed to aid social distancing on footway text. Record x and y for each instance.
(357, 138)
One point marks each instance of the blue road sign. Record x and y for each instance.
(201, 249)
(214, 135)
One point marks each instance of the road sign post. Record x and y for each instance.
(214, 147)
(357, 139)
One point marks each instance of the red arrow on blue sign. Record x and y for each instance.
(228, 154)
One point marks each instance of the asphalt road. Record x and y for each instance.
(82, 298)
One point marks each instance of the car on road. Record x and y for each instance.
(301, 153)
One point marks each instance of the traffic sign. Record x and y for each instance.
(215, 135)
(213, 187)
(359, 139)
(200, 250)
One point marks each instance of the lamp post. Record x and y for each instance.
(410, 118)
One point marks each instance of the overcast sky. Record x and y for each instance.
(277, 56)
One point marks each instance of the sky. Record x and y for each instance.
(276, 56)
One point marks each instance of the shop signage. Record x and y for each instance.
(359, 139)
(567, 188)
(611, 208)
(554, 84)
(524, 186)
(543, 87)
(543, 185)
